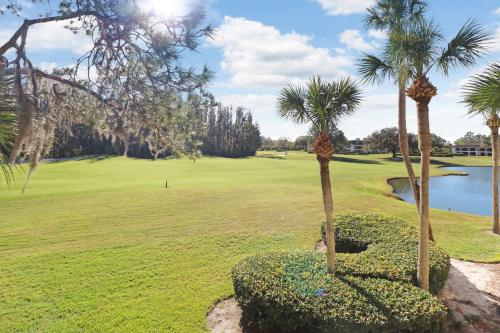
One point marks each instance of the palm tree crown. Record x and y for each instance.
(394, 14)
(413, 50)
(323, 104)
(482, 93)
(418, 50)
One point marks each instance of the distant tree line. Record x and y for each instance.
(231, 138)
(473, 138)
(383, 140)
(191, 126)
(386, 139)
(305, 142)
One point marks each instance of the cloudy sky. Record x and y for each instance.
(260, 46)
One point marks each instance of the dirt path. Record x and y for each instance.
(472, 292)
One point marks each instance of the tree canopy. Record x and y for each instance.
(135, 57)
(385, 139)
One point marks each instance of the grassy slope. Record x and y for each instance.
(103, 246)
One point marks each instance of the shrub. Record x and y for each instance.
(389, 248)
(293, 292)
(372, 291)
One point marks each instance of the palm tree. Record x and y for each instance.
(482, 97)
(322, 105)
(418, 50)
(394, 16)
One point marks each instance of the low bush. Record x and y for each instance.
(372, 291)
(293, 292)
(389, 249)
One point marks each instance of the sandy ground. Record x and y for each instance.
(472, 292)
(225, 317)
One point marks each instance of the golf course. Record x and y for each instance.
(121, 244)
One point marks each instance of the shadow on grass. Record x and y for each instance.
(416, 159)
(353, 160)
(271, 156)
(92, 159)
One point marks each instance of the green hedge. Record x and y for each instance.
(389, 249)
(371, 292)
(293, 292)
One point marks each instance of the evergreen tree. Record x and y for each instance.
(227, 138)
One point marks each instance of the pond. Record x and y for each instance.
(468, 194)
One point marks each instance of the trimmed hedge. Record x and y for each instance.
(371, 292)
(389, 247)
(293, 292)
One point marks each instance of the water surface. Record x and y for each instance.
(468, 194)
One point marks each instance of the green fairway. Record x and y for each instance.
(103, 246)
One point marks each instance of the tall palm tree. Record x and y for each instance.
(482, 96)
(323, 105)
(418, 49)
(394, 16)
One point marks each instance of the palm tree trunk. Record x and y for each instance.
(404, 146)
(422, 92)
(328, 206)
(494, 179)
(405, 151)
(424, 141)
(324, 150)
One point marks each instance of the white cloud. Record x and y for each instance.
(495, 47)
(257, 103)
(47, 67)
(455, 93)
(345, 7)
(166, 8)
(380, 102)
(52, 36)
(377, 34)
(497, 11)
(353, 40)
(380, 110)
(263, 108)
(255, 54)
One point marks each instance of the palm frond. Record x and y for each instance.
(395, 14)
(347, 98)
(323, 104)
(374, 19)
(416, 48)
(469, 44)
(482, 93)
(291, 104)
(416, 10)
(374, 70)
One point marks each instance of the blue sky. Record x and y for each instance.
(262, 45)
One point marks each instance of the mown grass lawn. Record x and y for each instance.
(103, 246)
